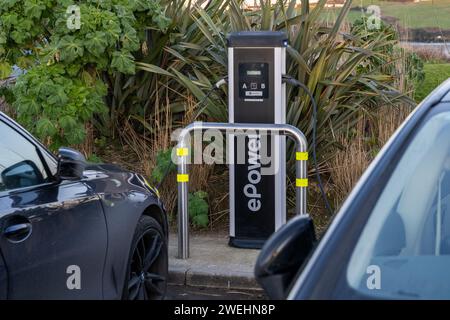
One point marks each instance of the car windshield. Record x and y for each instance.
(404, 249)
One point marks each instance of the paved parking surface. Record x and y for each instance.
(213, 263)
(175, 292)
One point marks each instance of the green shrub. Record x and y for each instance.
(164, 165)
(53, 105)
(198, 209)
(68, 64)
(389, 54)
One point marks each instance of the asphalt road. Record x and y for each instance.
(198, 293)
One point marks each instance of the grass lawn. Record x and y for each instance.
(435, 74)
(425, 14)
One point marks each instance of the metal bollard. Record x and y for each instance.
(301, 157)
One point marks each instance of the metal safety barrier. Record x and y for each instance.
(301, 181)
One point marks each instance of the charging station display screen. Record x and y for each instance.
(253, 72)
(253, 81)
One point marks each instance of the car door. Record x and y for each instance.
(3, 278)
(52, 234)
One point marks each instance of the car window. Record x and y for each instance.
(20, 165)
(404, 249)
(52, 164)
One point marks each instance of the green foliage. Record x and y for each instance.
(94, 158)
(164, 165)
(388, 53)
(7, 94)
(5, 69)
(385, 48)
(69, 65)
(331, 62)
(180, 59)
(57, 105)
(199, 208)
(415, 68)
(435, 74)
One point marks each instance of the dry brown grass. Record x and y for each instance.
(359, 145)
(6, 108)
(389, 118)
(138, 152)
(349, 162)
(87, 147)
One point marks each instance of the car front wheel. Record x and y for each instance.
(148, 262)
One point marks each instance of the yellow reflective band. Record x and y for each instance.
(182, 178)
(152, 188)
(301, 183)
(182, 152)
(301, 156)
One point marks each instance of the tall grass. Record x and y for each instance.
(359, 144)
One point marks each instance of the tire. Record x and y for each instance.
(147, 270)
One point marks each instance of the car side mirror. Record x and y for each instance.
(71, 164)
(283, 254)
(22, 174)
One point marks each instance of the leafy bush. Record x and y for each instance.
(70, 63)
(199, 208)
(164, 165)
(389, 53)
(56, 105)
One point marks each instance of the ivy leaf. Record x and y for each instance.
(7, 4)
(141, 5)
(27, 105)
(58, 96)
(96, 43)
(130, 41)
(73, 69)
(5, 70)
(25, 26)
(45, 128)
(112, 30)
(3, 38)
(67, 122)
(71, 48)
(19, 36)
(123, 62)
(25, 62)
(33, 8)
(162, 21)
(76, 135)
(9, 20)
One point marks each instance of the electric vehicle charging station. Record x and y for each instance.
(256, 94)
(257, 104)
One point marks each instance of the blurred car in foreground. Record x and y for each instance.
(391, 238)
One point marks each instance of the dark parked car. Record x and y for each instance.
(391, 238)
(73, 230)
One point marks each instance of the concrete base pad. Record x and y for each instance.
(213, 264)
